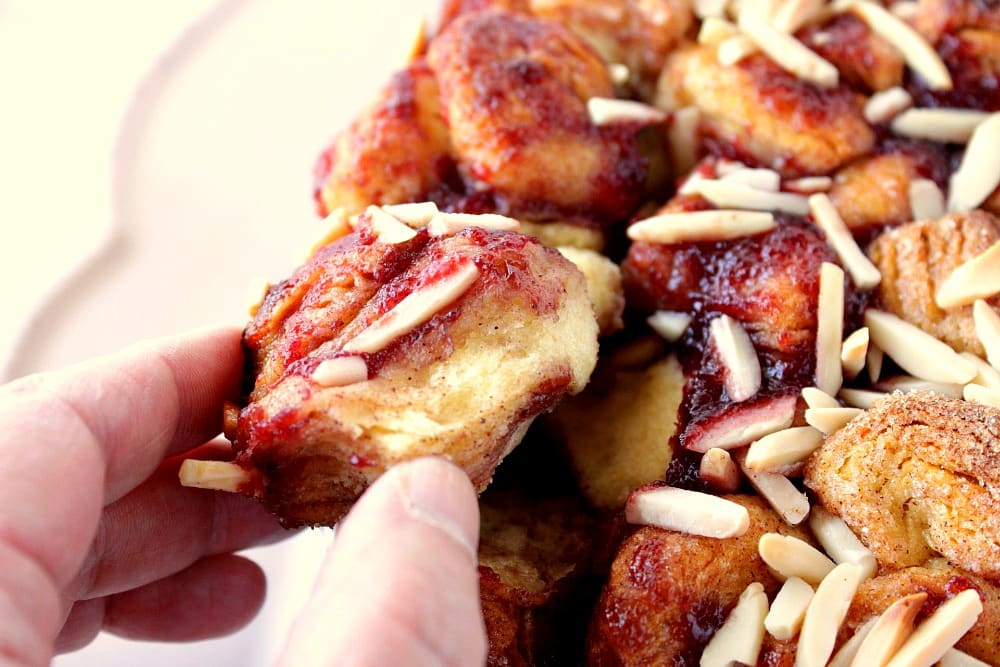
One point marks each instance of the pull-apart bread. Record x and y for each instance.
(778, 217)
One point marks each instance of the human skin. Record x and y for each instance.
(96, 533)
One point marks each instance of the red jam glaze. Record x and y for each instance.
(976, 80)
(846, 43)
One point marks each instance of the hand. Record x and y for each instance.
(96, 532)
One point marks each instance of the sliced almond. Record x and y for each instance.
(978, 278)
(734, 49)
(826, 613)
(791, 557)
(986, 375)
(387, 227)
(955, 658)
(830, 328)
(907, 383)
(853, 353)
(938, 633)
(890, 631)
(608, 110)
(917, 52)
(767, 180)
(683, 138)
(787, 52)
(688, 512)
(793, 14)
(873, 360)
(708, 9)
(740, 637)
(952, 126)
(916, 351)
(906, 10)
(975, 393)
(737, 355)
(340, 371)
(715, 29)
(730, 194)
(988, 330)
(817, 398)
(217, 475)
(747, 425)
(808, 185)
(669, 324)
(696, 226)
(845, 656)
(926, 199)
(791, 504)
(446, 224)
(788, 609)
(864, 274)
(859, 398)
(718, 469)
(619, 73)
(726, 167)
(783, 448)
(979, 173)
(830, 420)
(885, 105)
(840, 542)
(415, 309)
(416, 214)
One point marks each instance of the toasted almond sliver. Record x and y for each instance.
(793, 14)
(954, 126)
(938, 633)
(840, 542)
(830, 328)
(707, 9)
(976, 393)
(759, 179)
(859, 398)
(809, 185)
(734, 49)
(217, 475)
(845, 656)
(731, 194)
(416, 214)
(608, 110)
(817, 398)
(783, 448)
(340, 371)
(830, 420)
(892, 628)
(446, 224)
(387, 227)
(916, 51)
(979, 173)
(739, 639)
(791, 557)
(873, 360)
(825, 614)
(688, 512)
(916, 351)
(715, 29)
(988, 330)
(788, 609)
(905, 9)
(719, 470)
(669, 324)
(717, 225)
(619, 73)
(978, 278)
(864, 274)
(986, 375)
(853, 352)
(737, 355)
(886, 105)
(791, 504)
(415, 309)
(926, 199)
(787, 52)
(683, 138)
(906, 384)
(955, 658)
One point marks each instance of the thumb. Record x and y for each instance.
(400, 583)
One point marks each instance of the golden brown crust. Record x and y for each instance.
(875, 190)
(917, 475)
(669, 592)
(865, 60)
(916, 258)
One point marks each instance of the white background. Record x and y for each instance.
(155, 161)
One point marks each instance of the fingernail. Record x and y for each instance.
(440, 495)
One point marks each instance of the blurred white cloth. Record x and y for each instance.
(155, 160)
